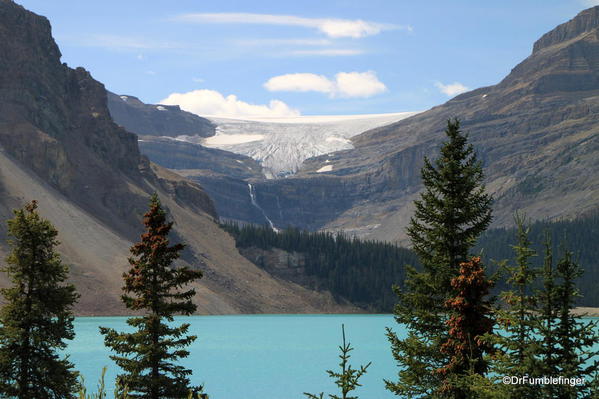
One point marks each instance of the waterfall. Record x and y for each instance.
(252, 191)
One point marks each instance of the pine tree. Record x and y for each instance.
(518, 347)
(348, 379)
(470, 325)
(452, 212)
(546, 322)
(37, 317)
(148, 356)
(575, 337)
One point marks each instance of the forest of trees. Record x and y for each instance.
(580, 236)
(362, 271)
(359, 271)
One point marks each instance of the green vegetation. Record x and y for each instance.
(348, 379)
(120, 392)
(359, 271)
(518, 347)
(580, 235)
(37, 317)
(148, 356)
(452, 212)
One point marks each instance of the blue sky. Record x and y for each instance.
(276, 58)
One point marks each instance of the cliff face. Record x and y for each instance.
(59, 145)
(54, 120)
(156, 119)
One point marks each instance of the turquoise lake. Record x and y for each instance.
(260, 356)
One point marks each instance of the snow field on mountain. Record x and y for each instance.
(282, 144)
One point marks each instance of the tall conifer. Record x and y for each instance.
(452, 212)
(575, 352)
(37, 317)
(518, 346)
(148, 356)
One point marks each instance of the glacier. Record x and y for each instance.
(281, 145)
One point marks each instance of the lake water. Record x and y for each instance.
(260, 356)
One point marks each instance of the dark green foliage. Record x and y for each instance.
(452, 212)
(545, 321)
(359, 271)
(37, 317)
(575, 338)
(148, 356)
(581, 236)
(368, 288)
(542, 337)
(347, 379)
(518, 346)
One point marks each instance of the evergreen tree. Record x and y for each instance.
(545, 323)
(348, 379)
(148, 356)
(518, 346)
(575, 337)
(37, 317)
(452, 212)
(470, 324)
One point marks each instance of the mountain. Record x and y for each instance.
(261, 149)
(156, 119)
(60, 146)
(536, 133)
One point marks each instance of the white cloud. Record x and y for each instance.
(452, 89)
(210, 102)
(332, 27)
(300, 82)
(359, 84)
(326, 52)
(345, 84)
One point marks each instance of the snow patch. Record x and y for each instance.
(231, 139)
(337, 139)
(124, 98)
(160, 108)
(326, 168)
(281, 145)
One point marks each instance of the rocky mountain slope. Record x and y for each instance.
(59, 145)
(156, 119)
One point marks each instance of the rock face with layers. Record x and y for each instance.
(156, 119)
(59, 145)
